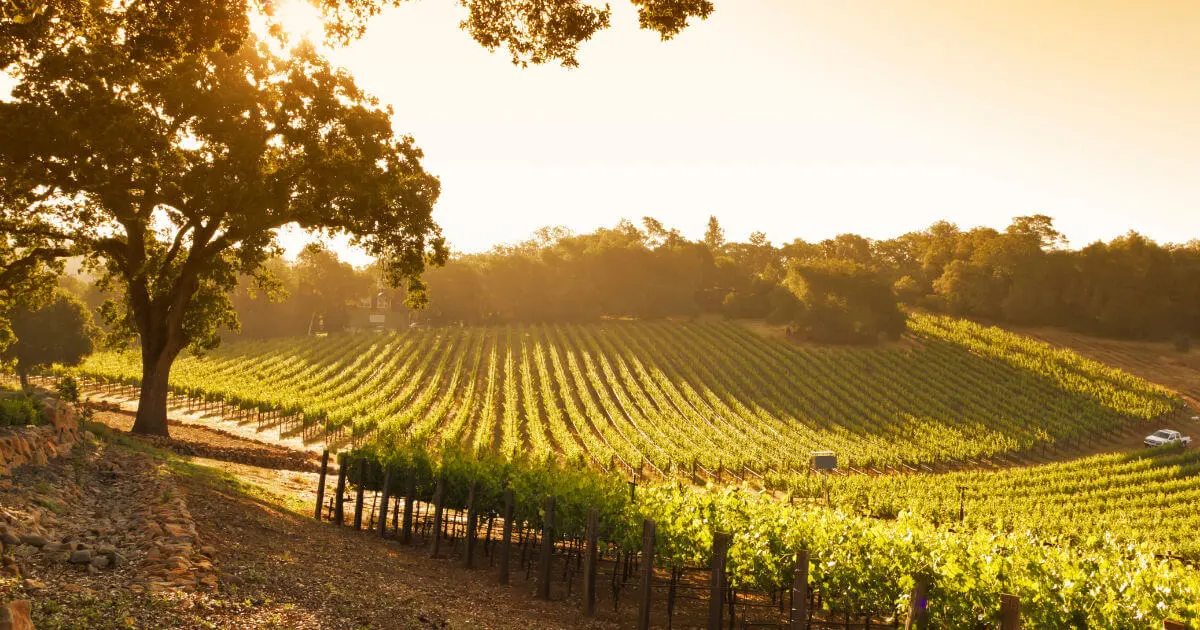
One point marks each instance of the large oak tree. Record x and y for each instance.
(171, 172)
(163, 141)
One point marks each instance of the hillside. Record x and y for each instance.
(617, 394)
(1155, 361)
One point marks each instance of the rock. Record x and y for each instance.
(117, 560)
(53, 547)
(33, 540)
(208, 550)
(230, 578)
(92, 570)
(15, 616)
(8, 537)
(31, 584)
(82, 556)
(101, 562)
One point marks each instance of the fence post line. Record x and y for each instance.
(799, 613)
(716, 584)
(395, 516)
(339, 509)
(358, 495)
(647, 574)
(383, 501)
(918, 606)
(472, 524)
(589, 563)
(506, 541)
(321, 482)
(410, 497)
(547, 552)
(1010, 612)
(439, 496)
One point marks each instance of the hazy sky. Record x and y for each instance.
(808, 118)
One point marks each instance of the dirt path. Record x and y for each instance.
(277, 567)
(246, 428)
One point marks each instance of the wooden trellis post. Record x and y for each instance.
(387, 495)
(589, 563)
(716, 584)
(472, 524)
(799, 613)
(645, 591)
(1010, 612)
(439, 495)
(358, 495)
(339, 510)
(918, 606)
(506, 541)
(410, 497)
(547, 553)
(321, 483)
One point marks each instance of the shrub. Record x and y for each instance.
(19, 410)
(68, 389)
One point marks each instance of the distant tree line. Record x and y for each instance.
(842, 289)
(847, 289)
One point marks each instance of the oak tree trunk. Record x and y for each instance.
(159, 349)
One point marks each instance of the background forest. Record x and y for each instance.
(843, 290)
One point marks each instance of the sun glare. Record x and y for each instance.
(299, 20)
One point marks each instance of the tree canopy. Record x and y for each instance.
(171, 173)
(1023, 274)
(60, 331)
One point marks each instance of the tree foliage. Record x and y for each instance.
(844, 302)
(60, 331)
(203, 153)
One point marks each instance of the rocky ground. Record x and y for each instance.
(125, 533)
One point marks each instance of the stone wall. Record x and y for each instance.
(38, 445)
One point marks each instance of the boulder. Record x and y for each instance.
(83, 556)
(33, 540)
(15, 616)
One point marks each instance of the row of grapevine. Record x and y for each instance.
(1147, 498)
(858, 565)
(664, 396)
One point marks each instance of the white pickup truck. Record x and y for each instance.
(1163, 437)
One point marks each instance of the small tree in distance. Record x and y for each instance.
(60, 332)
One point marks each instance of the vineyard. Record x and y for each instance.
(663, 397)
(752, 552)
(489, 422)
(1147, 498)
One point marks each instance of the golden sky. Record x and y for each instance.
(808, 118)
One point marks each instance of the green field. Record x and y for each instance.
(619, 393)
(1076, 540)
(1148, 498)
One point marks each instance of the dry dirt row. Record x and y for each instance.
(278, 568)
